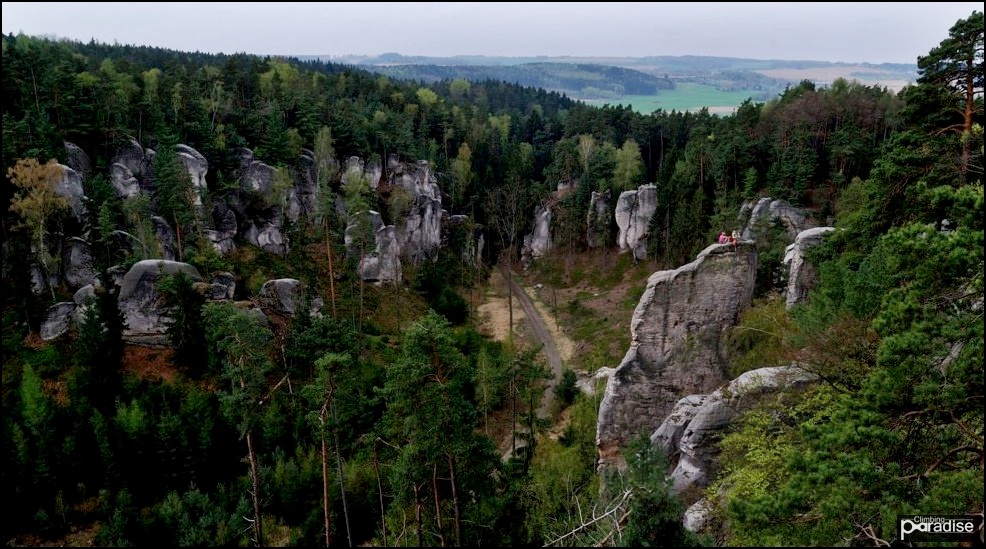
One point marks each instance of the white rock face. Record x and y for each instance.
(802, 276)
(383, 264)
(283, 295)
(268, 237)
(77, 159)
(422, 231)
(197, 168)
(78, 266)
(677, 343)
(124, 181)
(258, 177)
(140, 299)
(758, 216)
(70, 187)
(634, 210)
(421, 235)
(538, 242)
(57, 320)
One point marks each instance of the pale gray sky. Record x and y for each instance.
(873, 32)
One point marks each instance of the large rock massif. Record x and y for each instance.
(677, 343)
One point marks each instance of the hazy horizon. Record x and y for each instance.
(867, 32)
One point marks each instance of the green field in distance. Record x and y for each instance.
(686, 96)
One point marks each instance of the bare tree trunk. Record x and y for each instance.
(332, 274)
(455, 501)
(417, 515)
(513, 417)
(510, 294)
(327, 509)
(255, 492)
(342, 484)
(383, 513)
(438, 504)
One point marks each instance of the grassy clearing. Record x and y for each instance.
(685, 97)
(596, 294)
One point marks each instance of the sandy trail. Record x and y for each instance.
(495, 315)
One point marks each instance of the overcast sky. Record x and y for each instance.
(824, 31)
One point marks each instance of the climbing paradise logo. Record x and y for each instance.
(954, 528)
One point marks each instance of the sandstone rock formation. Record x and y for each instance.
(197, 168)
(57, 320)
(140, 299)
(634, 210)
(598, 219)
(802, 276)
(70, 187)
(283, 295)
(691, 430)
(756, 216)
(538, 242)
(677, 343)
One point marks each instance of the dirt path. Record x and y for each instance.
(544, 336)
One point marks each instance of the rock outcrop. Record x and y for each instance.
(421, 234)
(677, 343)
(70, 188)
(380, 250)
(802, 277)
(140, 301)
(696, 422)
(538, 242)
(283, 295)
(224, 227)
(197, 168)
(598, 219)
(756, 216)
(383, 264)
(57, 320)
(634, 210)
(127, 168)
(267, 236)
(77, 159)
(78, 269)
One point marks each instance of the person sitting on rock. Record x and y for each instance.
(723, 238)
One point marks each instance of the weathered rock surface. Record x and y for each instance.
(77, 159)
(78, 269)
(677, 343)
(197, 168)
(70, 187)
(422, 232)
(383, 264)
(756, 217)
(634, 210)
(597, 220)
(267, 236)
(57, 320)
(802, 276)
(538, 242)
(223, 232)
(697, 422)
(140, 299)
(283, 295)
(124, 181)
